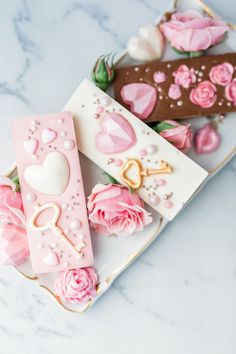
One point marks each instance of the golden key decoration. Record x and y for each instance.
(52, 225)
(141, 172)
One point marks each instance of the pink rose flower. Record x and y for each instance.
(204, 95)
(221, 74)
(180, 135)
(14, 248)
(76, 285)
(113, 209)
(184, 76)
(206, 139)
(191, 31)
(159, 77)
(11, 208)
(230, 91)
(174, 92)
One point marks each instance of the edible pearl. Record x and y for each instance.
(151, 149)
(168, 204)
(54, 245)
(179, 103)
(99, 109)
(63, 133)
(81, 237)
(40, 245)
(70, 208)
(67, 231)
(34, 122)
(105, 101)
(118, 162)
(34, 156)
(75, 224)
(65, 264)
(69, 144)
(143, 152)
(64, 206)
(30, 197)
(161, 182)
(154, 200)
(60, 121)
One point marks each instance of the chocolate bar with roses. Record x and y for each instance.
(183, 88)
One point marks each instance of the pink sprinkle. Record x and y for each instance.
(99, 109)
(168, 204)
(161, 182)
(118, 162)
(143, 152)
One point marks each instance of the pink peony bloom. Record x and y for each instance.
(76, 285)
(221, 74)
(230, 91)
(11, 209)
(191, 31)
(14, 248)
(159, 77)
(206, 139)
(174, 92)
(113, 209)
(204, 95)
(180, 135)
(184, 76)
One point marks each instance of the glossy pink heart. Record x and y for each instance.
(117, 134)
(140, 97)
(206, 140)
(48, 135)
(30, 145)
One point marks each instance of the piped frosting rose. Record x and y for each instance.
(221, 74)
(191, 31)
(184, 76)
(174, 92)
(76, 285)
(230, 91)
(204, 95)
(113, 209)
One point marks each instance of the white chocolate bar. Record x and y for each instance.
(131, 152)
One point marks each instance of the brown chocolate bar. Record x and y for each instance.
(183, 88)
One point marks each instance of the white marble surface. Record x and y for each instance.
(179, 297)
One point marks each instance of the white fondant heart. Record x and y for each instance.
(30, 145)
(48, 135)
(51, 259)
(148, 45)
(51, 177)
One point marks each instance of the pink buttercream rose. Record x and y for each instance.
(11, 208)
(76, 285)
(113, 209)
(221, 74)
(204, 95)
(174, 92)
(180, 135)
(230, 91)
(159, 77)
(191, 31)
(184, 76)
(14, 248)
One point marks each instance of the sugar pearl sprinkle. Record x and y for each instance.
(60, 120)
(69, 144)
(75, 224)
(62, 133)
(151, 149)
(30, 197)
(143, 152)
(154, 200)
(105, 101)
(169, 204)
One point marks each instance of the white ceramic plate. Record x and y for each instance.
(114, 255)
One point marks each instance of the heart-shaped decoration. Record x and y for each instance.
(140, 97)
(30, 145)
(48, 135)
(51, 259)
(51, 177)
(135, 165)
(117, 134)
(206, 139)
(148, 45)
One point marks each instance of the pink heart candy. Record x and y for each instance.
(117, 134)
(140, 97)
(48, 135)
(206, 140)
(30, 145)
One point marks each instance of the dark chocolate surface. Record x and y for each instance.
(166, 107)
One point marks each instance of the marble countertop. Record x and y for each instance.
(179, 296)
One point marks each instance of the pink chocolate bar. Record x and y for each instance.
(52, 192)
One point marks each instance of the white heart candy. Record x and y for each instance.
(30, 145)
(51, 259)
(51, 177)
(148, 45)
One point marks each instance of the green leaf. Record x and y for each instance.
(162, 126)
(111, 179)
(196, 54)
(132, 191)
(15, 180)
(179, 51)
